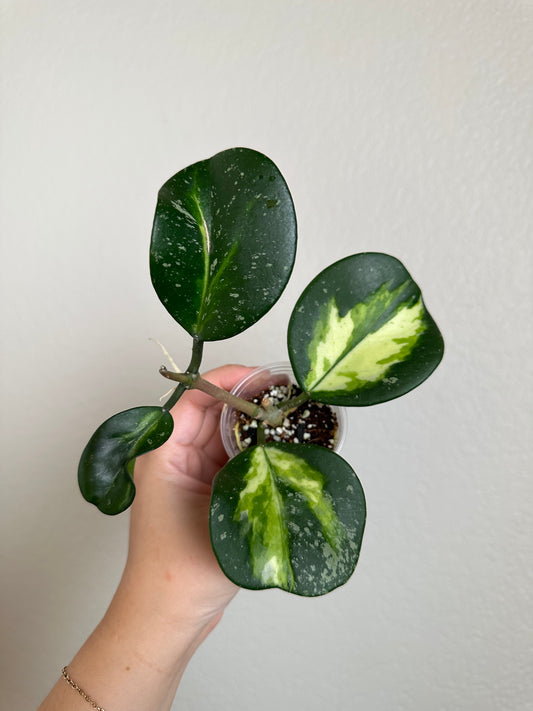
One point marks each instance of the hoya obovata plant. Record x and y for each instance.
(223, 245)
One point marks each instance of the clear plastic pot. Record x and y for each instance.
(259, 379)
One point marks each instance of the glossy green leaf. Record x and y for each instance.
(360, 333)
(287, 516)
(223, 243)
(106, 465)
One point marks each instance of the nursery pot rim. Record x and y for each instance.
(245, 388)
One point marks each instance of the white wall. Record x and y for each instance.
(401, 127)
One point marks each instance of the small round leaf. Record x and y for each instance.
(223, 243)
(287, 516)
(360, 333)
(106, 464)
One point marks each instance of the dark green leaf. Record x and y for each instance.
(287, 516)
(223, 243)
(106, 465)
(360, 333)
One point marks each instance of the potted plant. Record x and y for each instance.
(287, 514)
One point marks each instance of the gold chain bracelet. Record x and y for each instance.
(80, 691)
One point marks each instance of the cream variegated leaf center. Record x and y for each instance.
(260, 509)
(310, 484)
(358, 349)
(263, 512)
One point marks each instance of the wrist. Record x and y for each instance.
(162, 632)
(135, 658)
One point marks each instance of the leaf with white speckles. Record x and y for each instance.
(287, 516)
(223, 243)
(360, 333)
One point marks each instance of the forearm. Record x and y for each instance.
(172, 592)
(133, 661)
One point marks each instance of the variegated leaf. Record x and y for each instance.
(223, 243)
(360, 333)
(287, 516)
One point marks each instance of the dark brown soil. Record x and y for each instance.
(310, 423)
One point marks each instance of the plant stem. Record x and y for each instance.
(194, 366)
(261, 437)
(193, 381)
(293, 402)
(197, 352)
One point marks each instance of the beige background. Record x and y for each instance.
(402, 127)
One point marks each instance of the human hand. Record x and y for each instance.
(171, 567)
(172, 592)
